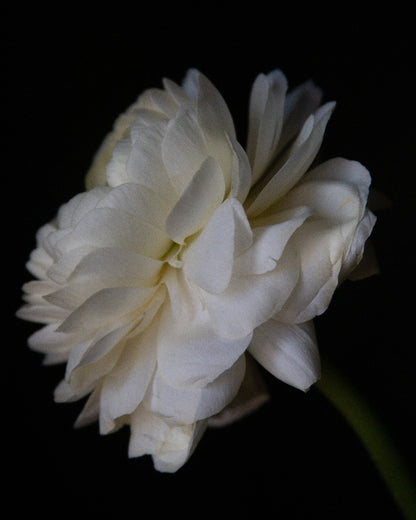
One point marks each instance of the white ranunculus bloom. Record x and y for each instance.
(186, 253)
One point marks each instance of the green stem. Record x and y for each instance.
(374, 437)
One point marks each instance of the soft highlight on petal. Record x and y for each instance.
(209, 261)
(202, 196)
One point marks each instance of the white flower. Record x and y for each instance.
(187, 252)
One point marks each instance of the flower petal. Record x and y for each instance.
(209, 259)
(300, 103)
(96, 175)
(269, 242)
(169, 459)
(39, 263)
(177, 93)
(145, 165)
(190, 353)
(183, 148)
(251, 300)
(62, 268)
(161, 101)
(265, 120)
(41, 313)
(49, 341)
(213, 113)
(107, 304)
(125, 386)
(114, 267)
(216, 123)
(140, 201)
(356, 251)
(104, 268)
(197, 203)
(330, 200)
(188, 405)
(289, 352)
(88, 362)
(303, 152)
(241, 172)
(190, 83)
(109, 227)
(345, 171)
(170, 445)
(76, 208)
(90, 412)
(116, 171)
(319, 245)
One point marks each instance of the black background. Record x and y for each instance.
(68, 73)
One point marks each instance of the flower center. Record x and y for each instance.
(173, 256)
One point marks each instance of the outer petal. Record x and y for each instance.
(190, 83)
(170, 445)
(330, 200)
(140, 201)
(90, 412)
(36, 290)
(177, 93)
(300, 157)
(265, 120)
(300, 103)
(159, 100)
(345, 171)
(96, 175)
(75, 209)
(190, 353)
(169, 460)
(319, 245)
(105, 268)
(107, 305)
(108, 227)
(241, 172)
(324, 243)
(188, 405)
(213, 113)
(61, 270)
(41, 313)
(56, 345)
(82, 367)
(114, 267)
(125, 386)
(115, 170)
(289, 352)
(39, 263)
(81, 380)
(217, 124)
(215, 120)
(356, 251)
(145, 165)
(183, 148)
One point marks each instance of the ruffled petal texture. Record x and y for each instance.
(190, 262)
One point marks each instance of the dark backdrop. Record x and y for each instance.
(67, 75)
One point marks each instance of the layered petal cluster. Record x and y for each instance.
(188, 256)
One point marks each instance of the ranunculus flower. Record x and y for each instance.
(189, 256)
